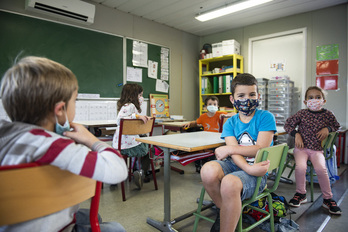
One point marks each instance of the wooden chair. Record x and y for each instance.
(223, 119)
(276, 155)
(328, 148)
(136, 127)
(29, 191)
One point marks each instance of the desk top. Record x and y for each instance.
(280, 131)
(178, 124)
(98, 123)
(190, 142)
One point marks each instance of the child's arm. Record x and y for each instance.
(238, 153)
(143, 117)
(264, 139)
(190, 124)
(89, 157)
(333, 126)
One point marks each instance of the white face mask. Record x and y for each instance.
(141, 100)
(212, 109)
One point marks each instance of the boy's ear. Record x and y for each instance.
(231, 98)
(59, 108)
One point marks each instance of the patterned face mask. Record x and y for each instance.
(315, 104)
(246, 106)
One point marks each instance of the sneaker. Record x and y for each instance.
(137, 179)
(216, 225)
(331, 205)
(298, 199)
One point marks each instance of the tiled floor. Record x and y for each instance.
(186, 188)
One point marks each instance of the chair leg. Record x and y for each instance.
(312, 185)
(199, 208)
(270, 206)
(153, 173)
(123, 191)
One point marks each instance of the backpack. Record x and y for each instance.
(279, 204)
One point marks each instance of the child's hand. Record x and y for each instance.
(144, 118)
(222, 152)
(81, 135)
(258, 169)
(298, 141)
(323, 133)
(187, 125)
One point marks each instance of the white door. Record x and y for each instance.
(285, 50)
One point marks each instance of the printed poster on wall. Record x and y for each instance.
(327, 52)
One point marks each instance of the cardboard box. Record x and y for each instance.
(230, 47)
(217, 49)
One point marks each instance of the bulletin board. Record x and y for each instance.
(159, 105)
(96, 58)
(154, 54)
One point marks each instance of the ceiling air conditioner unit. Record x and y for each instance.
(73, 10)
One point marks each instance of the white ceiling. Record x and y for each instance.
(180, 14)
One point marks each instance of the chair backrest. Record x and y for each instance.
(222, 122)
(32, 192)
(274, 154)
(328, 143)
(136, 126)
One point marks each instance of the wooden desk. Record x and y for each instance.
(190, 142)
(280, 131)
(97, 124)
(173, 126)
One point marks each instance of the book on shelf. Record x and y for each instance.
(216, 84)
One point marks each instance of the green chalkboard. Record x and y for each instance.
(154, 54)
(95, 58)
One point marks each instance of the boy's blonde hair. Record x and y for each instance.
(31, 88)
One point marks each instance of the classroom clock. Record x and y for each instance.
(159, 105)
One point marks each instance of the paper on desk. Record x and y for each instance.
(162, 86)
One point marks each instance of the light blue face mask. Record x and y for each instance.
(61, 129)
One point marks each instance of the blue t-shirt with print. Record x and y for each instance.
(246, 133)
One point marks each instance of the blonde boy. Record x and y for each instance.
(39, 96)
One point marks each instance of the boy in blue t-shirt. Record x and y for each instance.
(232, 177)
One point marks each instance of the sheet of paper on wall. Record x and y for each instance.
(139, 54)
(152, 69)
(134, 74)
(277, 66)
(162, 86)
(164, 74)
(164, 64)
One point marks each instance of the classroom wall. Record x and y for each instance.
(184, 49)
(325, 26)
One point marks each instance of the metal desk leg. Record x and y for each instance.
(166, 224)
